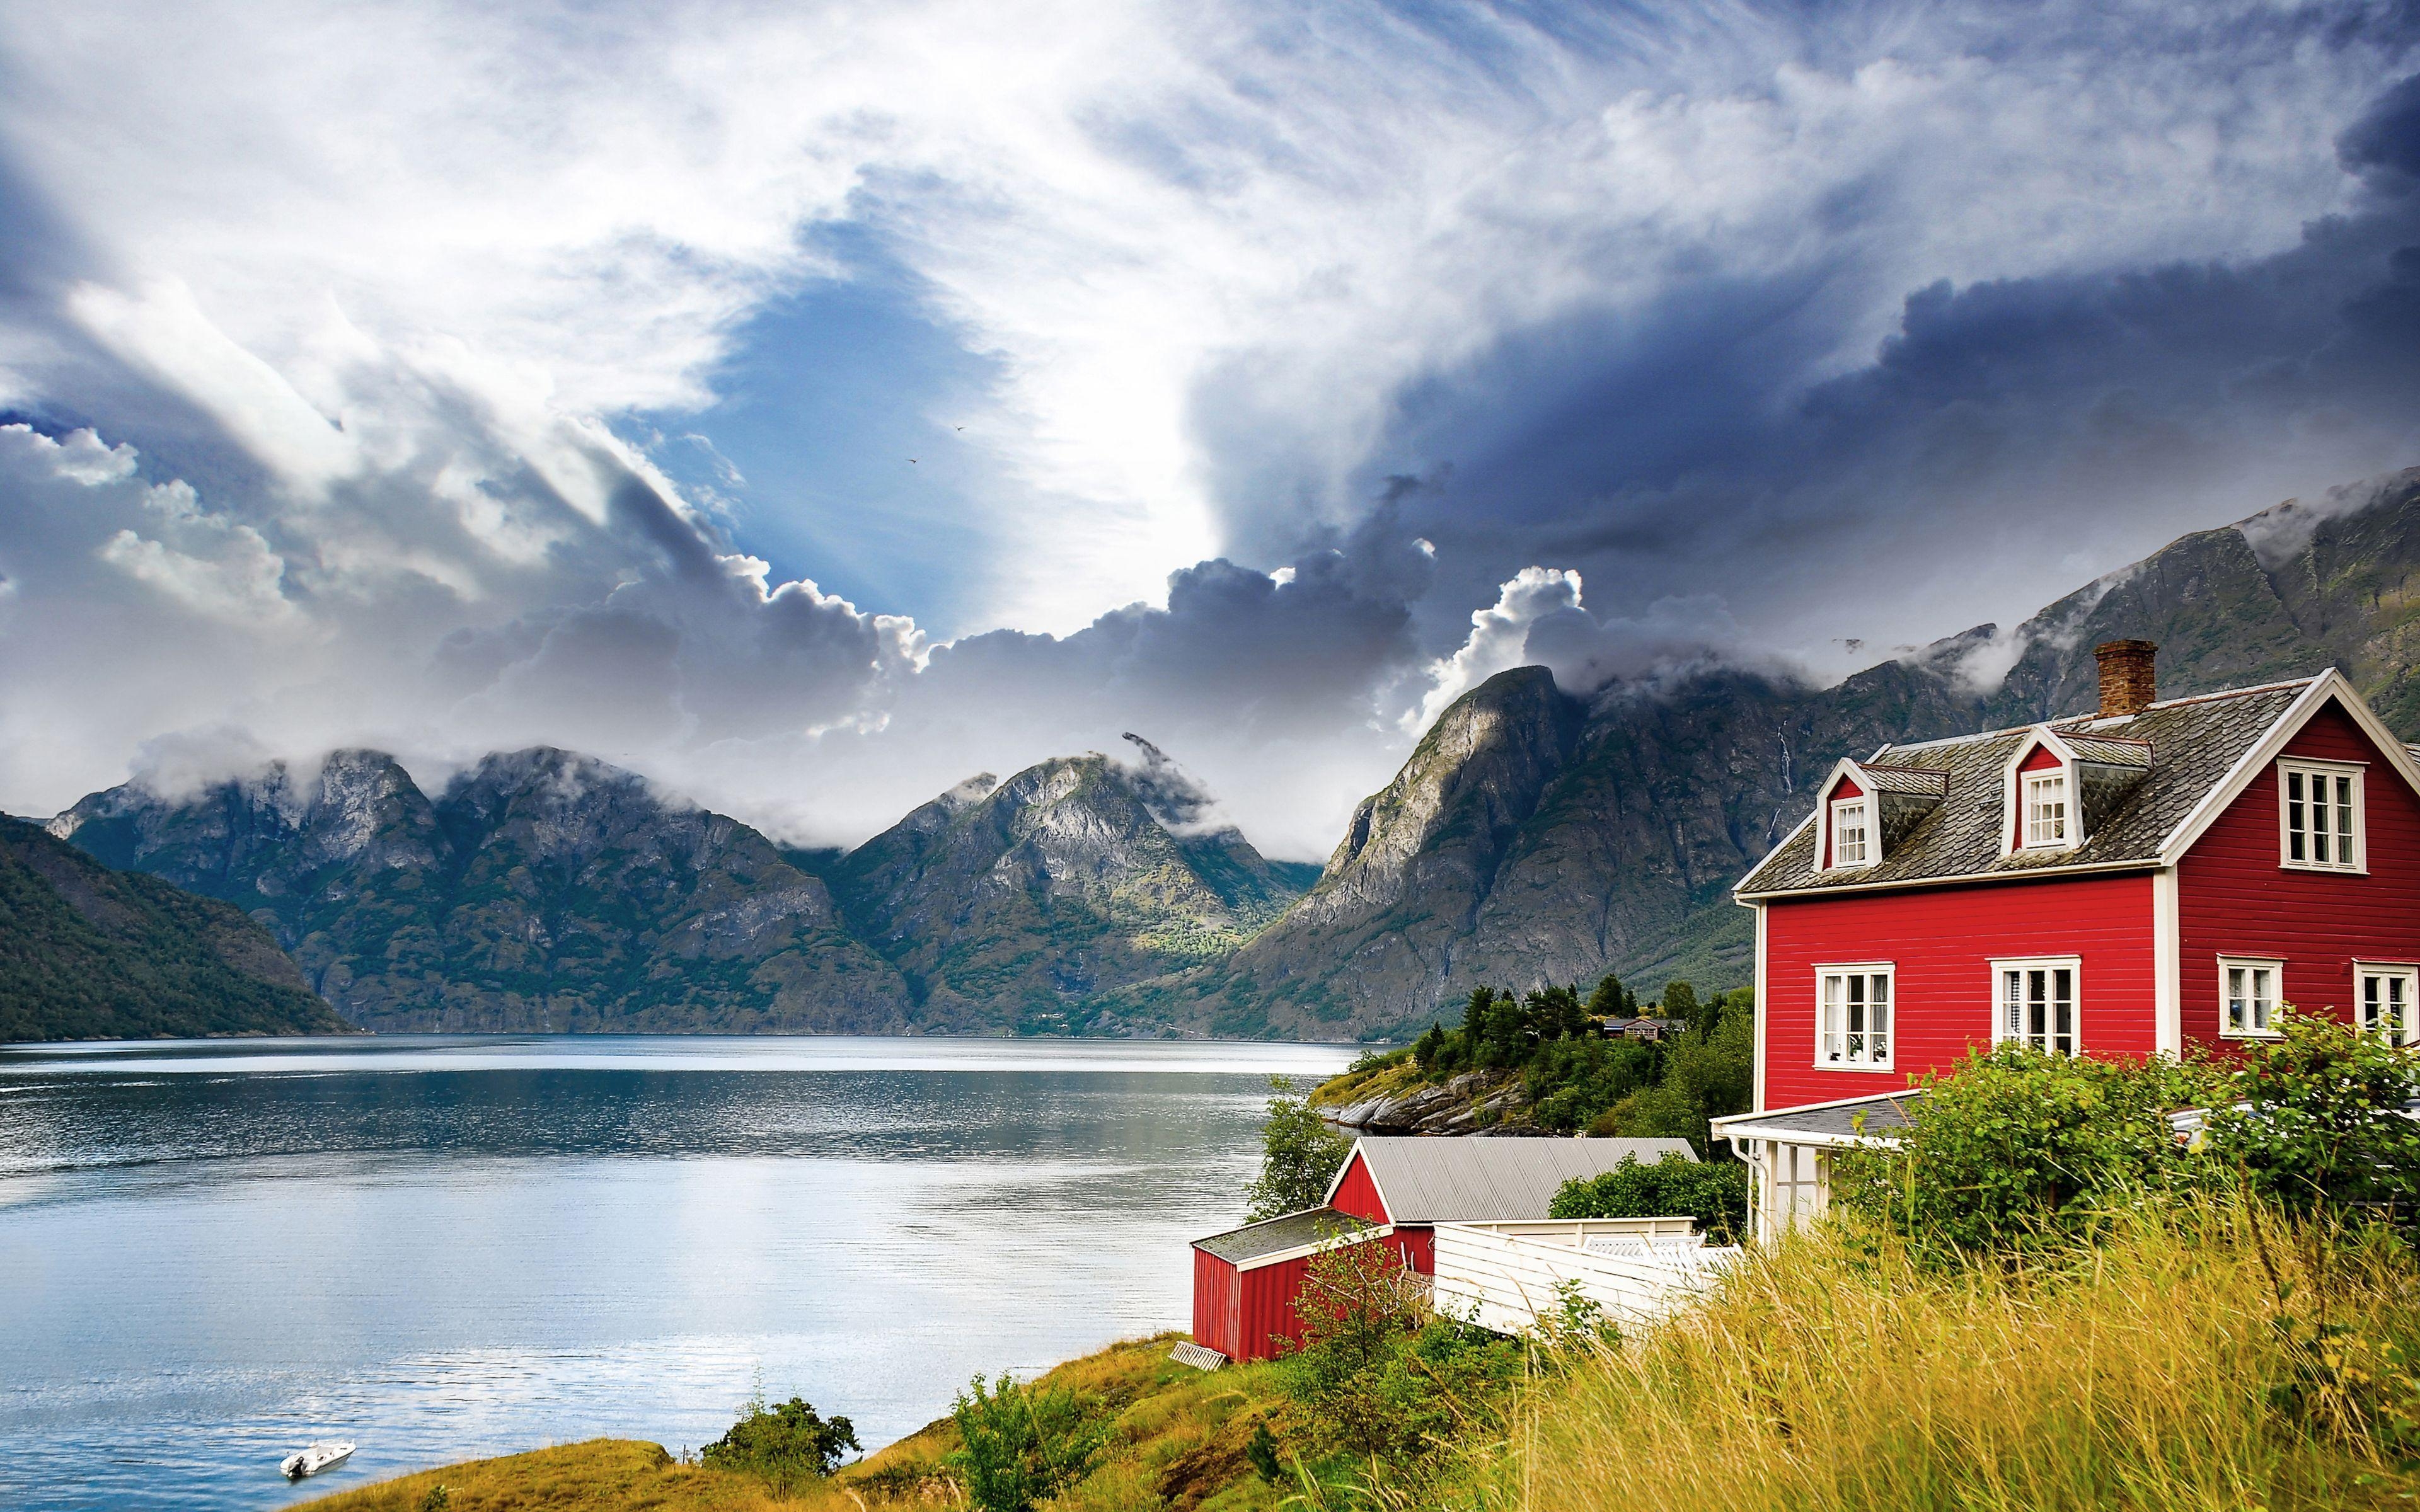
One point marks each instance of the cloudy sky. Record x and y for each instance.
(810, 405)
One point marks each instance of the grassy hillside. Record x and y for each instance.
(88, 954)
(1177, 1445)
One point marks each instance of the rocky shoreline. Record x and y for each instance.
(1479, 1103)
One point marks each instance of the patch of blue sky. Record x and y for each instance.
(833, 448)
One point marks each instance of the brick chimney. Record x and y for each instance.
(2127, 683)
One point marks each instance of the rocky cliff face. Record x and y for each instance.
(541, 890)
(1530, 840)
(1009, 905)
(88, 952)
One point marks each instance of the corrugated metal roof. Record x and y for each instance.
(2198, 742)
(1479, 1180)
(1272, 1235)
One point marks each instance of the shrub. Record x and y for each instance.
(1301, 1153)
(2015, 1147)
(2314, 1122)
(786, 1446)
(1714, 1193)
(1022, 1446)
(1377, 1376)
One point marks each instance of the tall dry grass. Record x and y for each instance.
(2180, 1365)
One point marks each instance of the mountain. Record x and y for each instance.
(544, 890)
(89, 953)
(1534, 837)
(539, 891)
(1008, 905)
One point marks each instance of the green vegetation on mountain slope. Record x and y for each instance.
(88, 954)
(1012, 906)
(1543, 1058)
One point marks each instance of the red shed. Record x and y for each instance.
(2130, 882)
(1389, 1191)
(1246, 1280)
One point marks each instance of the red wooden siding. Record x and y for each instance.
(1359, 1194)
(1217, 1322)
(1942, 941)
(1243, 1314)
(2234, 899)
(2043, 756)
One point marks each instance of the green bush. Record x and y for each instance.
(1378, 1379)
(2015, 1148)
(786, 1446)
(1714, 1193)
(2312, 1121)
(1022, 1445)
(1301, 1153)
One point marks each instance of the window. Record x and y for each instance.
(2319, 814)
(2045, 809)
(2247, 992)
(1853, 1008)
(2037, 1003)
(1850, 846)
(2387, 1000)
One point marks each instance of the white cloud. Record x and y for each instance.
(408, 258)
(1130, 207)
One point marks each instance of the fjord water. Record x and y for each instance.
(441, 1247)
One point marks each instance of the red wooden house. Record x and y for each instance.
(1390, 1191)
(2153, 876)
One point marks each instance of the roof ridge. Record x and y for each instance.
(2278, 687)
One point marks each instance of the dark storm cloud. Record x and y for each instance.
(2038, 423)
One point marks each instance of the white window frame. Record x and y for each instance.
(2329, 773)
(1866, 837)
(1888, 972)
(2275, 966)
(2067, 816)
(2363, 972)
(2071, 964)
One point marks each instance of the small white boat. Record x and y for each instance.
(313, 1458)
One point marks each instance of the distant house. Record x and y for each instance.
(2147, 877)
(1392, 1191)
(1648, 1030)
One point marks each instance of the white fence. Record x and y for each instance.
(1636, 1269)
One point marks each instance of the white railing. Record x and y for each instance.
(1507, 1275)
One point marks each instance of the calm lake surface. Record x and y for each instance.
(441, 1246)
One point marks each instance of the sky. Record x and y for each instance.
(809, 405)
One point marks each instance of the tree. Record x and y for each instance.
(1300, 1154)
(786, 1445)
(1022, 1445)
(1607, 1001)
(1426, 1049)
(1680, 1002)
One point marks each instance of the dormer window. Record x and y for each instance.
(1852, 835)
(2319, 816)
(2046, 810)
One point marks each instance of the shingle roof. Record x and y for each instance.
(2195, 742)
(1483, 1181)
(1275, 1235)
(1882, 1115)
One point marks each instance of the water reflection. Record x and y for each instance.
(442, 1247)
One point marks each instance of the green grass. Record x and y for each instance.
(2178, 1367)
(1177, 1440)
